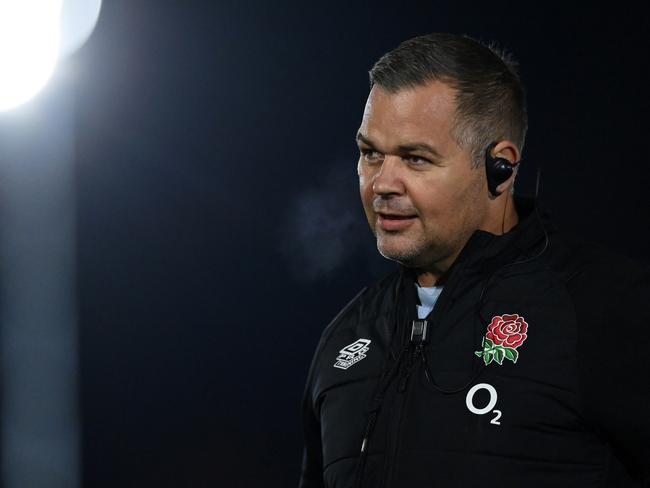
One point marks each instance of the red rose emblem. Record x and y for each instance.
(507, 330)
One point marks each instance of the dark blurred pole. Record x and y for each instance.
(40, 417)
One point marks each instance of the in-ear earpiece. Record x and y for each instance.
(497, 170)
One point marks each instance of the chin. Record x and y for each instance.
(412, 254)
(407, 257)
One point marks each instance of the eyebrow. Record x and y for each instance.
(416, 146)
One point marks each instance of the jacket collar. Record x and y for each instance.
(526, 239)
(485, 252)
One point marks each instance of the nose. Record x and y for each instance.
(388, 180)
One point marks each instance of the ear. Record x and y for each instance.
(508, 150)
(505, 187)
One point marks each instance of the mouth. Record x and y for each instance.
(395, 216)
(394, 222)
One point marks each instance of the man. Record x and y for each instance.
(501, 352)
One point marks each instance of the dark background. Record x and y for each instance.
(219, 225)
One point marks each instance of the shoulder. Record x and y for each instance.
(591, 267)
(366, 304)
(609, 291)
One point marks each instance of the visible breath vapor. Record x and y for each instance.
(324, 226)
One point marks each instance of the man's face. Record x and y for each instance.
(422, 206)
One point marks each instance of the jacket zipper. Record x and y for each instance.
(402, 388)
(402, 393)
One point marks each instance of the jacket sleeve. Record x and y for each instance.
(312, 460)
(614, 360)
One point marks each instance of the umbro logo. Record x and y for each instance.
(352, 353)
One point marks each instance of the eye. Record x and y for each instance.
(371, 155)
(417, 160)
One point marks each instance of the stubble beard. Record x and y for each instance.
(414, 252)
(424, 250)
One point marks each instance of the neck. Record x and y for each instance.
(437, 275)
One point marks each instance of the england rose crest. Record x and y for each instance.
(504, 335)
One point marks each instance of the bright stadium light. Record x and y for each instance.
(29, 47)
(33, 35)
(40, 441)
(78, 19)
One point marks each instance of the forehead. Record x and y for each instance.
(425, 112)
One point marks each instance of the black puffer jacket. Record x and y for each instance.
(533, 374)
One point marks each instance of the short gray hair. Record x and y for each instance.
(490, 98)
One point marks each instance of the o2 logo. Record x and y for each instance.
(469, 401)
